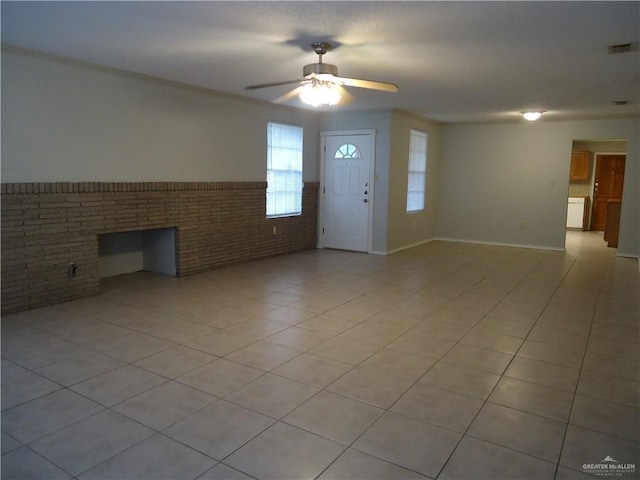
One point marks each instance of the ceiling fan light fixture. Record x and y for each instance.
(532, 116)
(319, 92)
(321, 84)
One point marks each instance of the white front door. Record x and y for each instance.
(347, 191)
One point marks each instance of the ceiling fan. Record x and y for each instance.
(321, 84)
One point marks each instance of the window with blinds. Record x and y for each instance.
(416, 182)
(284, 170)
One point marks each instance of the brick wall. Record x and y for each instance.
(46, 225)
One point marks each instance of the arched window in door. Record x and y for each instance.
(348, 150)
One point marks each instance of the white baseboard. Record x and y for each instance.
(399, 249)
(626, 255)
(501, 244)
(407, 247)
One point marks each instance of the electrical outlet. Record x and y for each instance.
(274, 229)
(521, 225)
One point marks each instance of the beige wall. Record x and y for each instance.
(406, 229)
(496, 177)
(62, 121)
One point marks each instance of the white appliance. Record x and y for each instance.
(575, 212)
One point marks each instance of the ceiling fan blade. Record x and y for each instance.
(370, 84)
(346, 97)
(273, 84)
(288, 96)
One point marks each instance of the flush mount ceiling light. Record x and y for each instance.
(532, 116)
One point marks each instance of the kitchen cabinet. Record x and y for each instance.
(580, 162)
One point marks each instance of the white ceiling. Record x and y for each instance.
(453, 61)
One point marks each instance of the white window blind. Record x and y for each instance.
(284, 169)
(416, 183)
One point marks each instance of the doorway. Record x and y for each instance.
(346, 202)
(585, 187)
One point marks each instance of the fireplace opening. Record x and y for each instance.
(143, 250)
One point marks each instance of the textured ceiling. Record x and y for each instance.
(453, 61)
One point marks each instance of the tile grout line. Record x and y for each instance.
(575, 390)
(413, 382)
(486, 400)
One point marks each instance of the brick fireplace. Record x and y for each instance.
(45, 226)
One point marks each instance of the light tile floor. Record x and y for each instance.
(448, 361)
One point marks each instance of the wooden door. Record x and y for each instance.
(608, 185)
